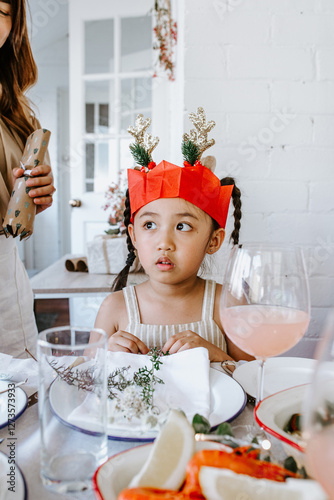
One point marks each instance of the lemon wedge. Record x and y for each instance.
(224, 484)
(174, 446)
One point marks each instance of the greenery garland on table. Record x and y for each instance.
(118, 380)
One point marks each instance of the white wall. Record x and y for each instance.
(48, 26)
(264, 71)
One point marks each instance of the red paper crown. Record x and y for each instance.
(193, 182)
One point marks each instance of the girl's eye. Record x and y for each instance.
(183, 226)
(150, 225)
(5, 14)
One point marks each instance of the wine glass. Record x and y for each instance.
(318, 413)
(265, 304)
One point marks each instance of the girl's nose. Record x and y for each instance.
(165, 241)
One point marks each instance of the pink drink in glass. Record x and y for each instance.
(264, 331)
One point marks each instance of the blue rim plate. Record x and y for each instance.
(228, 399)
(21, 491)
(11, 409)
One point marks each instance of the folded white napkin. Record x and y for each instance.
(186, 386)
(17, 369)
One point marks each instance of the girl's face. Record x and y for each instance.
(5, 22)
(172, 237)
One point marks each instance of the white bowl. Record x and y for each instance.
(273, 413)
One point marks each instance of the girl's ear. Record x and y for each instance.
(132, 234)
(216, 241)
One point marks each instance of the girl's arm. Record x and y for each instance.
(236, 353)
(109, 318)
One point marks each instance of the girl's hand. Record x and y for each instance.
(189, 340)
(126, 342)
(42, 184)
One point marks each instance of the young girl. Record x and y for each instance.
(18, 72)
(174, 216)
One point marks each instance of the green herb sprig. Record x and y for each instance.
(118, 380)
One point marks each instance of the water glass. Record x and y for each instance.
(72, 406)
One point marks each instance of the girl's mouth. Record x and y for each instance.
(164, 264)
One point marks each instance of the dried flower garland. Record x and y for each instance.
(165, 32)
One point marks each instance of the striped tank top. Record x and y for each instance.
(157, 335)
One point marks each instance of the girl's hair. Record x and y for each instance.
(18, 74)
(121, 279)
(236, 200)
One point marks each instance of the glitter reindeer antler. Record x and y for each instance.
(142, 149)
(199, 138)
(138, 131)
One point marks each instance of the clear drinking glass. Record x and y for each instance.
(265, 305)
(318, 413)
(72, 405)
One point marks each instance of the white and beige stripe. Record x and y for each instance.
(157, 335)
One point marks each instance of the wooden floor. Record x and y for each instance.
(54, 306)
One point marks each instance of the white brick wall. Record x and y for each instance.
(264, 71)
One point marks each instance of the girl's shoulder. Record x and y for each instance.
(115, 299)
(112, 312)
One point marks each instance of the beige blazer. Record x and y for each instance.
(11, 149)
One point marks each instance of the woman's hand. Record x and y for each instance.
(126, 342)
(189, 340)
(41, 184)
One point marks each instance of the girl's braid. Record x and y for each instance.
(122, 277)
(236, 198)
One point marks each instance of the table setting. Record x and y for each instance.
(100, 414)
(28, 438)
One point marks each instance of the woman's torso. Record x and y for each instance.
(10, 154)
(157, 335)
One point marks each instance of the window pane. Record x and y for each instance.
(126, 159)
(136, 43)
(104, 117)
(90, 153)
(143, 93)
(89, 117)
(99, 96)
(99, 46)
(90, 163)
(136, 97)
(100, 165)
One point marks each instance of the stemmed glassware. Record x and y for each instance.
(318, 414)
(265, 304)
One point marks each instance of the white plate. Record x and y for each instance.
(273, 413)
(11, 409)
(280, 374)
(116, 473)
(18, 480)
(228, 399)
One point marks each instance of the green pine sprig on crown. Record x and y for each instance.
(144, 144)
(196, 142)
